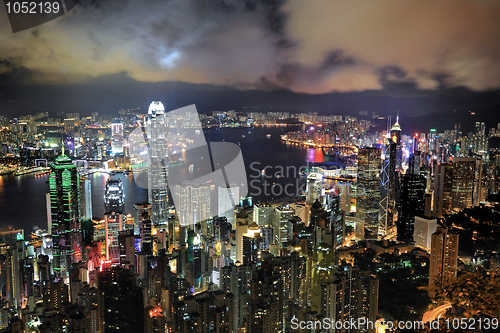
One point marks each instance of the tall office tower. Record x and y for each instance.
(252, 244)
(263, 214)
(282, 216)
(157, 132)
(396, 138)
(194, 204)
(114, 199)
(226, 203)
(139, 210)
(314, 186)
(335, 218)
(414, 163)
(318, 223)
(424, 228)
(443, 180)
(64, 185)
(443, 260)
(241, 227)
(464, 181)
(126, 241)
(412, 202)
(345, 190)
(87, 228)
(120, 301)
(85, 199)
(12, 252)
(368, 193)
(389, 187)
(49, 213)
(117, 136)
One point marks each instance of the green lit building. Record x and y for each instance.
(64, 201)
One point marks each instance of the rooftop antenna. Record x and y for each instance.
(397, 118)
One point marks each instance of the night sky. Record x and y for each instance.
(325, 56)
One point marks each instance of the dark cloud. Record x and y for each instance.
(315, 47)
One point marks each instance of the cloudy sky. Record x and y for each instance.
(302, 47)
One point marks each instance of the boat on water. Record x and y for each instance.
(174, 160)
(268, 136)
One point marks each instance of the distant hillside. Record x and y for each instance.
(489, 114)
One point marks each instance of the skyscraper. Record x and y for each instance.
(64, 188)
(282, 216)
(464, 174)
(117, 136)
(368, 193)
(389, 187)
(443, 260)
(114, 199)
(194, 204)
(157, 165)
(86, 199)
(443, 176)
(412, 202)
(263, 214)
(226, 203)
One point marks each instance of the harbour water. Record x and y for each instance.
(22, 198)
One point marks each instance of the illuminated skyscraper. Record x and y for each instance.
(64, 188)
(228, 199)
(114, 199)
(443, 176)
(263, 214)
(141, 211)
(117, 136)
(464, 182)
(368, 193)
(194, 204)
(157, 165)
(314, 186)
(412, 202)
(86, 199)
(282, 216)
(389, 189)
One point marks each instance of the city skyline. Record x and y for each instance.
(249, 166)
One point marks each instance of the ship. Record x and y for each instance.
(174, 160)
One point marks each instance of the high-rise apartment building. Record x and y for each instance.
(443, 260)
(443, 177)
